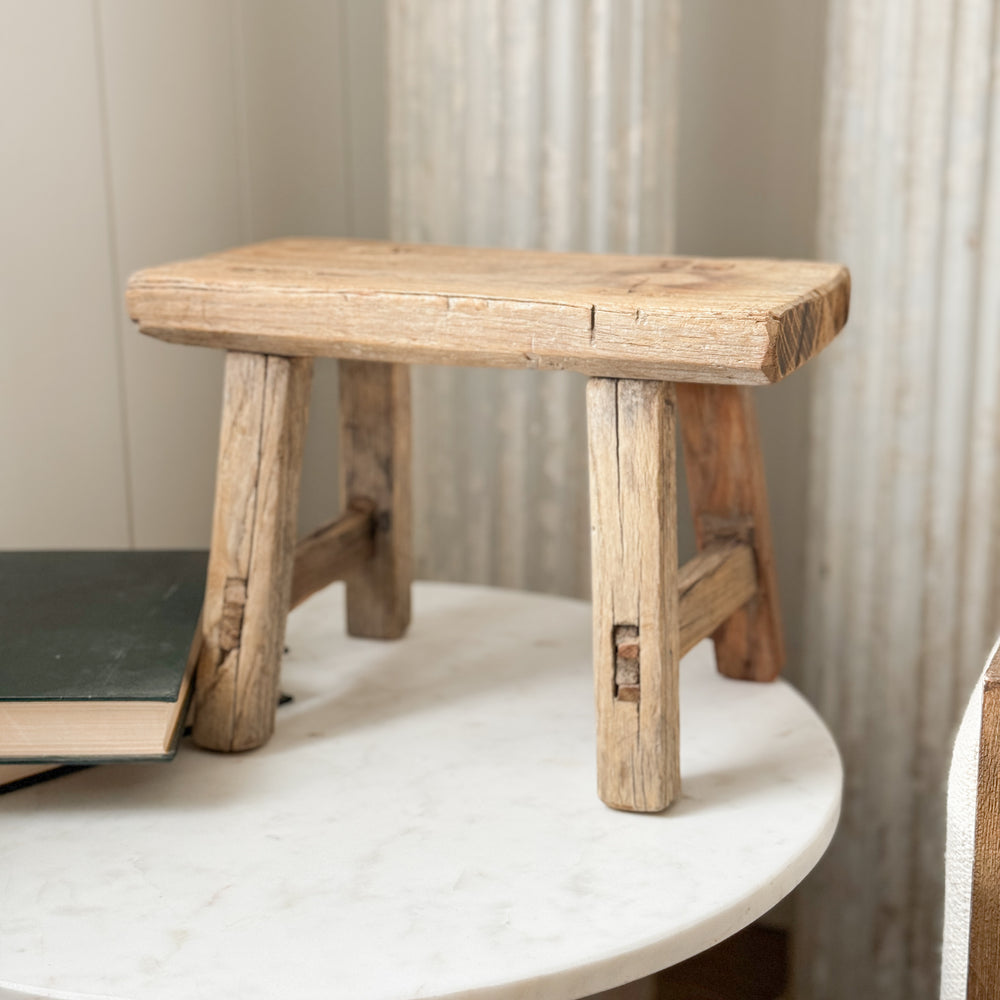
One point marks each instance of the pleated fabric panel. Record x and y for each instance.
(525, 123)
(903, 577)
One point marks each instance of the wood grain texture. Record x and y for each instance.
(631, 426)
(688, 319)
(253, 536)
(725, 475)
(375, 468)
(984, 920)
(713, 586)
(333, 551)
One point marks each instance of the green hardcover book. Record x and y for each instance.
(97, 653)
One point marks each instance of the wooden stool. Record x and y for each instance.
(638, 325)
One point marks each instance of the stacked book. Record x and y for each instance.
(97, 657)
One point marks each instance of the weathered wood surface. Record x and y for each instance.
(713, 586)
(685, 319)
(725, 474)
(633, 496)
(333, 551)
(247, 592)
(984, 920)
(375, 468)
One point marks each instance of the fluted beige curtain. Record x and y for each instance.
(527, 123)
(903, 580)
(552, 123)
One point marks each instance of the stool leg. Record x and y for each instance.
(633, 510)
(375, 465)
(725, 473)
(264, 414)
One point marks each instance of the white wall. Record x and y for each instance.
(138, 131)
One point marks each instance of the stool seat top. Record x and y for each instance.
(688, 319)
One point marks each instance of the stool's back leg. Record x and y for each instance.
(265, 408)
(631, 427)
(725, 474)
(375, 466)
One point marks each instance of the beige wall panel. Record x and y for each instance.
(294, 75)
(176, 165)
(62, 479)
(157, 130)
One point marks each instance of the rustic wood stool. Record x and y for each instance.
(638, 325)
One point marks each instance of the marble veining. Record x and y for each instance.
(424, 823)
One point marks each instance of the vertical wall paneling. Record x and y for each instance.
(525, 123)
(902, 592)
(62, 468)
(226, 121)
(174, 150)
(138, 131)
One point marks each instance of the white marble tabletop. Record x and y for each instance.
(424, 823)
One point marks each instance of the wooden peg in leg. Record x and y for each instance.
(725, 474)
(375, 467)
(631, 427)
(264, 414)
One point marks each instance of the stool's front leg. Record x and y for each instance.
(264, 414)
(633, 503)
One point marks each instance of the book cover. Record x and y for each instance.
(96, 653)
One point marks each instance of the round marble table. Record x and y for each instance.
(424, 823)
